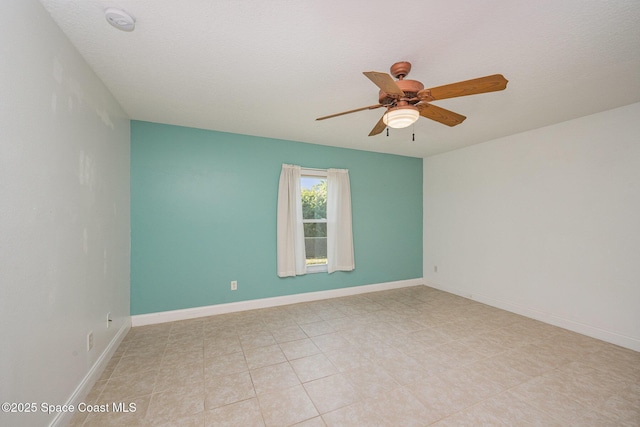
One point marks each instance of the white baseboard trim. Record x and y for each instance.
(210, 310)
(89, 380)
(572, 325)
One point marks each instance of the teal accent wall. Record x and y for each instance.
(203, 213)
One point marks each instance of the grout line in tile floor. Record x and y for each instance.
(414, 356)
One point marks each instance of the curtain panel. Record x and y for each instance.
(339, 226)
(290, 231)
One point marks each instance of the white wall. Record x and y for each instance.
(64, 215)
(545, 223)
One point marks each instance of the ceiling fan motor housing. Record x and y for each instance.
(410, 89)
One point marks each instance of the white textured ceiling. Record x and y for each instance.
(269, 68)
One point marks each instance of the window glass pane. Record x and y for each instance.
(315, 241)
(314, 198)
(314, 207)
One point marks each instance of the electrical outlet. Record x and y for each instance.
(90, 341)
(108, 320)
(234, 285)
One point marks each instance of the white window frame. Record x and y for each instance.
(314, 173)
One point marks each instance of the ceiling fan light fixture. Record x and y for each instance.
(401, 117)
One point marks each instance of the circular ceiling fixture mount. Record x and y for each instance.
(120, 19)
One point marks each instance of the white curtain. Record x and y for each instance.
(290, 244)
(339, 233)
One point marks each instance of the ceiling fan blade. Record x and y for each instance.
(468, 87)
(385, 82)
(370, 107)
(379, 127)
(439, 114)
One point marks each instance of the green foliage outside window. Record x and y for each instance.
(314, 207)
(314, 201)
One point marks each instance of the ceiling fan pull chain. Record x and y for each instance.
(387, 131)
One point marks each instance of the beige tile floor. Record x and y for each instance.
(408, 357)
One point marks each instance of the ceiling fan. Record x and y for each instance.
(407, 100)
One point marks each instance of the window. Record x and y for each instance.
(313, 185)
(322, 238)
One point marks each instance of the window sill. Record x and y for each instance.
(321, 268)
